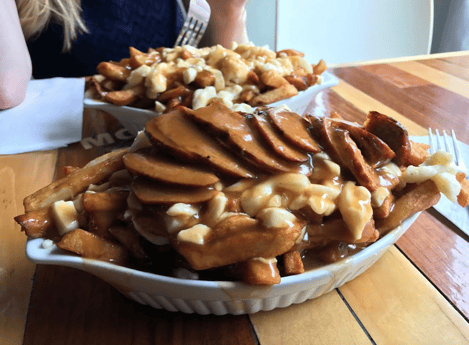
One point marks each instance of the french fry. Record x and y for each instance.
(290, 52)
(204, 78)
(104, 209)
(135, 52)
(113, 71)
(301, 83)
(320, 67)
(419, 198)
(125, 97)
(238, 239)
(384, 210)
(283, 92)
(67, 188)
(261, 272)
(418, 153)
(185, 54)
(463, 197)
(178, 92)
(69, 169)
(293, 263)
(111, 85)
(130, 239)
(273, 79)
(90, 246)
(246, 96)
(253, 77)
(171, 104)
(36, 223)
(311, 78)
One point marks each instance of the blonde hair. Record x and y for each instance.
(35, 15)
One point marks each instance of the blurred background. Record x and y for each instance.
(341, 31)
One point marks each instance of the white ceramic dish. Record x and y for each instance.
(220, 297)
(134, 119)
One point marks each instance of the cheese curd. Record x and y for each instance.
(439, 168)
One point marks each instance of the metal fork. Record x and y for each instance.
(195, 24)
(439, 146)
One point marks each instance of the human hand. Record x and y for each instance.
(227, 23)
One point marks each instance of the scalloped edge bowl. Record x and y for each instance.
(134, 119)
(220, 297)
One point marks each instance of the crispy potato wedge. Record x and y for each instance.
(90, 246)
(290, 52)
(125, 97)
(293, 263)
(418, 153)
(273, 79)
(104, 209)
(204, 78)
(130, 239)
(238, 238)
(285, 91)
(261, 272)
(36, 223)
(419, 198)
(300, 83)
(320, 67)
(113, 71)
(463, 197)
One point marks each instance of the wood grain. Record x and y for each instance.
(69, 306)
(312, 322)
(448, 67)
(16, 272)
(441, 252)
(436, 77)
(394, 75)
(397, 305)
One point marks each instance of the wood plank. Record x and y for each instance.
(454, 106)
(397, 304)
(424, 114)
(441, 252)
(394, 75)
(434, 76)
(20, 175)
(448, 67)
(73, 307)
(451, 55)
(312, 322)
(367, 103)
(456, 60)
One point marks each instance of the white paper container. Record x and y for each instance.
(219, 297)
(134, 119)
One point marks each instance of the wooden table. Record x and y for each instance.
(417, 293)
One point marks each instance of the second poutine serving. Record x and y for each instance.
(242, 77)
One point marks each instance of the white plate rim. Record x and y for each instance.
(54, 256)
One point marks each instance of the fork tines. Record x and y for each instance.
(195, 24)
(191, 33)
(439, 146)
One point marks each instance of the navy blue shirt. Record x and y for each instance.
(113, 26)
